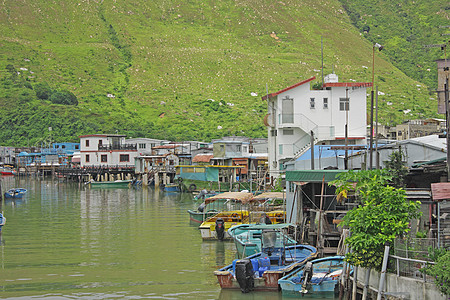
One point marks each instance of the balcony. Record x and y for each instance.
(117, 147)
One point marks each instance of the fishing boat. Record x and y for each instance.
(261, 271)
(2, 221)
(217, 226)
(248, 237)
(15, 193)
(7, 171)
(317, 278)
(113, 184)
(172, 188)
(217, 203)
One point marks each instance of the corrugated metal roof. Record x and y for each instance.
(440, 191)
(312, 175)
(202, 158)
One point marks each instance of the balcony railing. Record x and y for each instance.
(117, 147)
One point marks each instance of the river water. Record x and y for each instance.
(70, 241)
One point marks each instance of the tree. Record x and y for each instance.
(64, 97)
(384, 214)
(43, 91)
(396, 167)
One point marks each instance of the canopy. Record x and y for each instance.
(270, 195)
(237, 196)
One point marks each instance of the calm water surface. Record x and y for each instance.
(66, 241)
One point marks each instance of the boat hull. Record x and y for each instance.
(268, 280)
(323, 283)
(113, 184)
(198, 217)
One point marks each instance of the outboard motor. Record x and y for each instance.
(306, 277)
(244, 275)
(201, 207)
(220, 229)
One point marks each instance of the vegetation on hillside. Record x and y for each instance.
(176, 70)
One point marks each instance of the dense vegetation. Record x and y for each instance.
(384, 214)
(184, 70)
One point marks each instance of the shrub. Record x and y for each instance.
(43, 91)
(441, 273)
(64, 97)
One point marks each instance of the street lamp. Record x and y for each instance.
(379, 47)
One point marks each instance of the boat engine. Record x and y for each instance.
(220, 229)
(244, 275)
(306, 277)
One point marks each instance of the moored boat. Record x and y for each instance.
(261, 271)
(15, 193)
(248, 237)
(2, 221)
(317, 278)
(115, 184)
(217, 226)
(7, 171)
(217, 203)
(171, 188)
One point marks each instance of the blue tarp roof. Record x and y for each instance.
(323, 151)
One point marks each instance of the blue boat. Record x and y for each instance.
(317, 278)
(171, 188)
(2, 221)
(248, 237)
(261, 271)
(15, 193)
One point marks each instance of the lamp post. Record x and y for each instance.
(379, 47)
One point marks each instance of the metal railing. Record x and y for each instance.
(117, 147)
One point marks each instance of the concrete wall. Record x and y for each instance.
(416, 288)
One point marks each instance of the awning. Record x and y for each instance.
(312, 175)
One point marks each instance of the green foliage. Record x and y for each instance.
(397, 168)
(163, 60)
(42, 90)
(383, 215)
(278, 185)
(64, 97)
(441, 272)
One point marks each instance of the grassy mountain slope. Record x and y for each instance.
(175, 69)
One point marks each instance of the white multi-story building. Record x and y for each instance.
(298, 115)
(106, 150)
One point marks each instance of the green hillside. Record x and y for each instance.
(179, 70)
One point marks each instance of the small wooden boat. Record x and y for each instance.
(7, 171)
(217, 226)
(171, 188)
(317, 278)
(217, 203)
(262, 271)
(112, 184)
(248, 237)
(2, 221)
(15, 193)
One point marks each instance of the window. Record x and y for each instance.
(63, 146)
(273, 132)
(222, 147)
(280, 149)
(344, 104)
(57, 146)
(325, 103)
(244, 149)
(238, 148)
(124, 158)
(287, 110)
(87, 158)
(87, 143)
(142, 146)
(312, 103)
(77, 147)
(104, 158)
(100, 142)
(288, 131)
